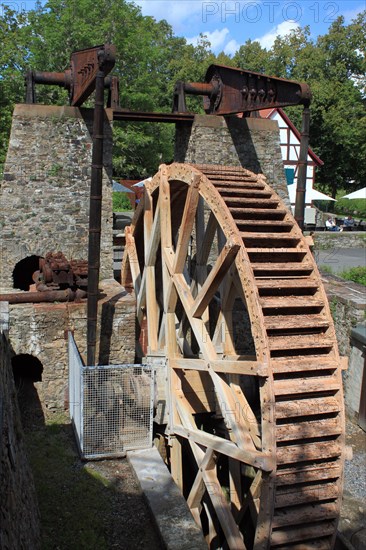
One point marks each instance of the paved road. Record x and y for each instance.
(339, 259)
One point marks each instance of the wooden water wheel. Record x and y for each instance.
(232, 300)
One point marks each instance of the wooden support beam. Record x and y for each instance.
(153, 239)
(256, 459)
(186, 225)
(248, 367)
(133, 259)
(217, 273)
(234, 538)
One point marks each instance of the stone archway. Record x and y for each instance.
(23, 271)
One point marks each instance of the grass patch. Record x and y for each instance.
(355, 274)
(70, 496)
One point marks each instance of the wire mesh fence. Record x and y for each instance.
(111, 406)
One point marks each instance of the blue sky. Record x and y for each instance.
(228, 24)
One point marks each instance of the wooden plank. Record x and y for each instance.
(187, 223)
(233, 536)
(274, 238)
(315, 494)
(291, 476)
(307, 452)
(305, 514)
(295, 386)
(176, 462)
(290, 302)
(215, 277)
(273, 251)
(252, 203)
(302, 364)
(255, 212)
(152, 309)
(243, 192)
(285, 267)
(253, 494)
(277, 224)
(133, 259)
(309, 429)
(226, 447)
(302, 533)
(154, 239)
(306, 342)
(199, 488)
(282, 322)
(307, 407)
(284, 284)
(227, 366)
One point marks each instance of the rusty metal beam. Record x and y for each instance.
(80, 78)
(228, 91)
(302, 164)
(66, 295)
(95, 208)
(139, 116)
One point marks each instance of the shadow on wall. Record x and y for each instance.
(245, 148)
(27, 370)
(23, 271)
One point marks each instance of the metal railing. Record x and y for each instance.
(111, 406)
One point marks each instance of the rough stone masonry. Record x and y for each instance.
(45, 208)
(44, 195)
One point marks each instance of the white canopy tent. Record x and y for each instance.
(360, 194)
(310, 195)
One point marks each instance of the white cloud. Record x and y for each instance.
(232, 47)
(216, 38)
(176, 13)
(284, 28)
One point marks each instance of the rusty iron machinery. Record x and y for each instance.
(235, 314)
(80, 78)
(229, 90)
(57, 273)
(56, 280)
(66, 295)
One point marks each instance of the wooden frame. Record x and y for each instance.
(197, 264)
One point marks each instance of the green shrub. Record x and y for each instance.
(121, 202)
(355, 274)
(353, 207)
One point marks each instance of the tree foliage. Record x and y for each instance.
(334, 66)
(151, 59)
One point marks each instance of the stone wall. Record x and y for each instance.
(325, 240)
(41, 329)
(252, 143)
(347, 303)
(356, 373)
(19, 515)
(44, 196)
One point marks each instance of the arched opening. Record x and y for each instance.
(27, 369)
(23, 271)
